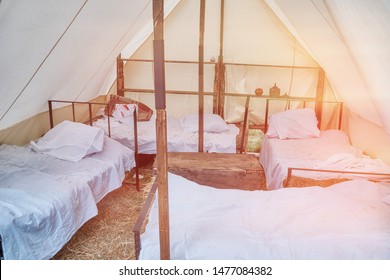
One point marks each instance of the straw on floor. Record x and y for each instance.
(109, 235)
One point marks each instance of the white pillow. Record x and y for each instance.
(212, 123)
(293, 124)
(124, 113)
(70, 141)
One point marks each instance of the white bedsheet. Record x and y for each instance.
(44, 200)
(345, 221)
(40, 212)
(178, 140)
(103, 171)
(332, 150)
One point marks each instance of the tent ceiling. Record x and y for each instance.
(67, 49)
(61, 49)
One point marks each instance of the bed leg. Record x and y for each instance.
(287, 181)
(137, 176)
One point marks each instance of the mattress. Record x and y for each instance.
(102, 172)
(349, 220)
(331, 150)
(40, 212)
(177, 139)
(44, 200)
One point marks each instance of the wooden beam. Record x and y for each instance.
(201, 75)
(320, 95)
(221, 68)
(221, 27)
(221, 95)
(193, 92)
(161, 128)
(245, 128)
(271, 66)
(120, 80)
(219, 78)
(167, 61)
(216, 89)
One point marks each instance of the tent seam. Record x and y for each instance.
(43, 61)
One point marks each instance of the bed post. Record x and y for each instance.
(201, 75)
(135, 117)
(161, 127)
(51, 114)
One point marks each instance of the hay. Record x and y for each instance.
(255, 138)
(300, 182)
(109, 235)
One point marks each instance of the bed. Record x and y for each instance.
(349, 220)
(50, 187)
(182, 133)
(294, 141)
(177, 139)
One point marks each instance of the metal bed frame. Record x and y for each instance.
(366, 174)
(90, 122)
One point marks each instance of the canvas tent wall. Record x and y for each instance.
(61, 50)
(251, 35)
(68, 49)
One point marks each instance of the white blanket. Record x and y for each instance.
(178, 140)
(346, 221)
(102, 172)
(348, 162)
(40, 212)
(276, 155)
(44, 200)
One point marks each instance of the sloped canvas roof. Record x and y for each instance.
(68, 49)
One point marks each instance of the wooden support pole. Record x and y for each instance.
(161, 128)
(245, 128)
(221, 102)
(51, 114)
(320, 95)
(73, 112)
(90, 113)
(135, 125)
(221, 66)
(120, 81)
(201, 75)
(219, 78)
(216, 89)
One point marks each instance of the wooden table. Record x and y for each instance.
(225, 171)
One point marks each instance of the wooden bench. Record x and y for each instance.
(225, 171)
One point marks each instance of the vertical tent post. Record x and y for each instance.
(219, 79)
(120, 80)
(201, 75)
(221, 68)
(245, 128)
(161, 127)
(320, 95)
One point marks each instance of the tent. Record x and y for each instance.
(67, 50)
